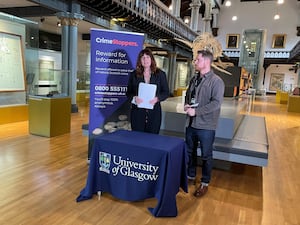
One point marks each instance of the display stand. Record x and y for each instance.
(49, 116)
(239, 138)
(282, 97)
(294, 104)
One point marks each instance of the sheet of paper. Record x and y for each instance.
(146, 92)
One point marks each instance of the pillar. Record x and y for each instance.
(73, 60)
(65, 54)
(207, 17)
(172, 71)
(195, 6)
(176, 8)
(214, 28)
(192, 69)
(69, 38)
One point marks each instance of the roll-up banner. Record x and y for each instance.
(113, 57)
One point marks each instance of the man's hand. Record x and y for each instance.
(189, 110)
(186, 106)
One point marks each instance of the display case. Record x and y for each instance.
(19, 54)
(83, 88)
(51, 83)
(17, 37)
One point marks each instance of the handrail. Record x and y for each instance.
(153, 11)
(295, 52)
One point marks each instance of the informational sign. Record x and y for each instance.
(113, 57)
(11, 63)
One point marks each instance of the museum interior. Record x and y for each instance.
(47, 96)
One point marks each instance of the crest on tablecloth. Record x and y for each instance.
(104, 162)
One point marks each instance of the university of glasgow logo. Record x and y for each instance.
(104, 161)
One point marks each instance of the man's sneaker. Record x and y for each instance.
(201, 190)
(191, 178)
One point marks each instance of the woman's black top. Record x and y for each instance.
(147, 120)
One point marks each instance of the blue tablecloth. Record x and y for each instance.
(134, 166)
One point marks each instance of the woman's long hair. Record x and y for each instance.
(140, 68)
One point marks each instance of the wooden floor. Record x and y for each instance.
(40, 179)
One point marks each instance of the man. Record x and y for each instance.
(203, 101)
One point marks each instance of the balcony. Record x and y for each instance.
(147, 16)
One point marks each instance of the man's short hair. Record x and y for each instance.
(206, 54)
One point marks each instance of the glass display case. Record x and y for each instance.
(17, 36)
(50, 83)
(83, 87)
(287, 87)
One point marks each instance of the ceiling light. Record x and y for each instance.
(234, 18)
(276, 17)
(228, 3)
(280, 1)
(186, 19)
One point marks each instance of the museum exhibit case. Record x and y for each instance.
(49, 104)
(83, 88)
(18, 57)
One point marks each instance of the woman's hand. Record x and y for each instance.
(153, 101)
(138, 100)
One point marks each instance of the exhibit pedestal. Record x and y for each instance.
(294, 104)
(282, 97)
(239, 138)
(49, 116)
(174, 117)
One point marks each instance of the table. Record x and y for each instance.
(133, 166)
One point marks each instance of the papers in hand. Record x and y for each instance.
(146, 92)
(194, 105)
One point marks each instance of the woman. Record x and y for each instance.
(147, 120)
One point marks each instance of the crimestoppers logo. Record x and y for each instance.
(104, 161)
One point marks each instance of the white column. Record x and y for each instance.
(176, 8)
(207, 16)
(73, 32)
(70, 22)
(195, 6)
(172, 70)
(65, 51)
(215, 12)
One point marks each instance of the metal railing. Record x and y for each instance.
(158, 14)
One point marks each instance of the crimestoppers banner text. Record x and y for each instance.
(113, 57)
